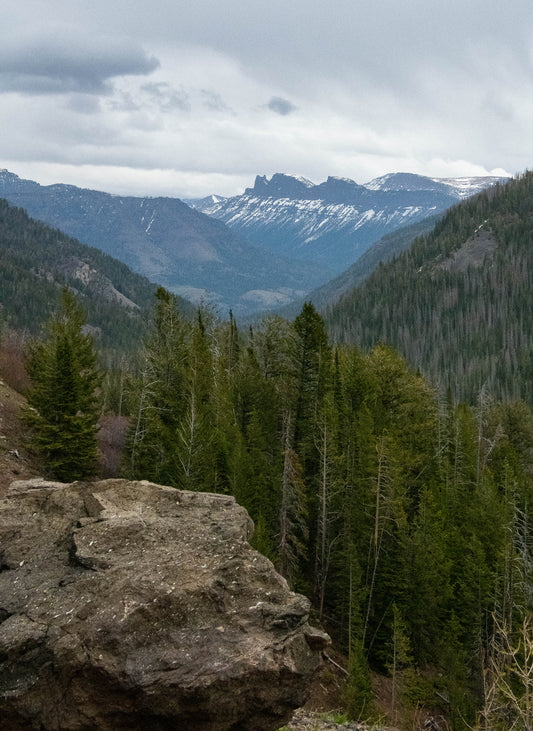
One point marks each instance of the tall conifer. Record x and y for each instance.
(62, 401)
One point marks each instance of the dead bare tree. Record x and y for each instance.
(508, 680)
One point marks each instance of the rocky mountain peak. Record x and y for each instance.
(406, 182)
(280, 186)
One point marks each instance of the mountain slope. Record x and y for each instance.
(386, 248)
(168, 242)
(459, 303)
(335, 222)
(36, 261)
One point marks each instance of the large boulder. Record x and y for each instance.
(127, 605)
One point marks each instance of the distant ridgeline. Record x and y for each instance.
(261, 250)
(37, 261)
(169, 242)
(459, 304)
(334, 223)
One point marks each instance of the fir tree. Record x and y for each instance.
(63, 401)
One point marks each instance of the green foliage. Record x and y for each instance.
(338, 717)
(161, 405)
(458, 305)
(62, 401)
(405, 517)
(358, 695)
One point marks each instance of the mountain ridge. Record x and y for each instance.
(381, 251)
(37, 261)
(335, 222)
(250, 253)
(167, 241)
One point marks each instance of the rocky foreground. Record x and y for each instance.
(126, 605)
(306, 721)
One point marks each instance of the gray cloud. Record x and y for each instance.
(167, 98)
(83, 64)
(214, 102)
(439, 88)
(125, 101)
(281, 106)
(84, 103)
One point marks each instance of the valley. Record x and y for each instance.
(262, 250)
(383, 446)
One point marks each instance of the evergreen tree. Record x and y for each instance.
(313, 362)
(153, 439)
(293, 528)
(63, 399)
(195, 433)
(313, 370)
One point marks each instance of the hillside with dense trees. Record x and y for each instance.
(38, 261)
(386, 248)
(405, 517)
(458, 305)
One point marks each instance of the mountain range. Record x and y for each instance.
(335, 222)
(271, 246)
(170, 243)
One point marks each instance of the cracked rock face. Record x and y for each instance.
(126, 605)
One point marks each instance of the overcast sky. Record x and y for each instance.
(187, 98)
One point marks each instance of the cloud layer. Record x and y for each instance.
(189, 99)
(65, 64)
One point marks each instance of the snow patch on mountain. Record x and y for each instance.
(201, 203)
(334, 222)
(462, 187)
(466, 187)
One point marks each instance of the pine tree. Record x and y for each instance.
(293, 529)
(63, 398)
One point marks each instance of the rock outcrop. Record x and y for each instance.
(127, 605)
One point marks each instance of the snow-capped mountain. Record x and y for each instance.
(270, 246)
(334, 223)
(201, 203)
(191, 254)
(461, 187)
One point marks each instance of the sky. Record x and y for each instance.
(186, 99)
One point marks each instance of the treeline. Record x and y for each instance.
(458, 305)
(405, 516)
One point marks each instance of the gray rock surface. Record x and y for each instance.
(127, 605)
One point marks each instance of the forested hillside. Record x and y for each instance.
(458, 305)
(37, 261)
(386, 248)
(405, 518)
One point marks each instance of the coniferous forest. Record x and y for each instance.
(458, 303)
(404, 516)
(402, 508)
